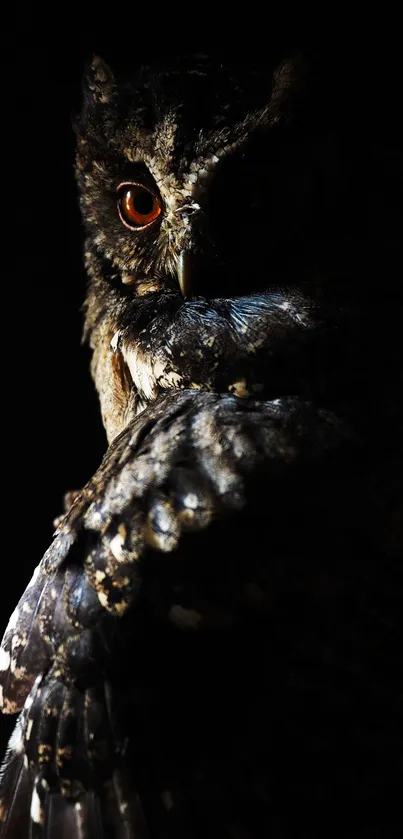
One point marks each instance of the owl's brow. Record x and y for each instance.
(235, 136)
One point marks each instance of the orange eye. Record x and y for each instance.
(137, 205)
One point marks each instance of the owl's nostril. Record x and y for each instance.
(187, 210)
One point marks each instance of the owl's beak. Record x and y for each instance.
(185, 270)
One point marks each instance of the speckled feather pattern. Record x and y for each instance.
(211, 645)
(184, 464)
(143, 133)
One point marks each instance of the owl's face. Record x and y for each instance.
(204, 202)
(176, 168)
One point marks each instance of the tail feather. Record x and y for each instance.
(64, 775)
(15, 789)
(74, 820)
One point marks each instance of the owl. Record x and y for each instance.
(209, 647)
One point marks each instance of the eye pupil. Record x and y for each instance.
(143, 202)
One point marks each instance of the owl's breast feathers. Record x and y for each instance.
(260, 346)
(232, 346)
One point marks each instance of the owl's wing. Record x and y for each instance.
(184, 464)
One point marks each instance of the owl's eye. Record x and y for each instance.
(137, 206)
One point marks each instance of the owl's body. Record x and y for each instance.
(210, 644)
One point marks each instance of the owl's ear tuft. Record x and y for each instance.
(289, 82)
(99, 84)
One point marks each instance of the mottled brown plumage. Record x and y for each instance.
(210, 646)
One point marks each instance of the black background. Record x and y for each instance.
(52, 434)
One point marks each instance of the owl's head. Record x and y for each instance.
(208, 204)
(176, 167)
